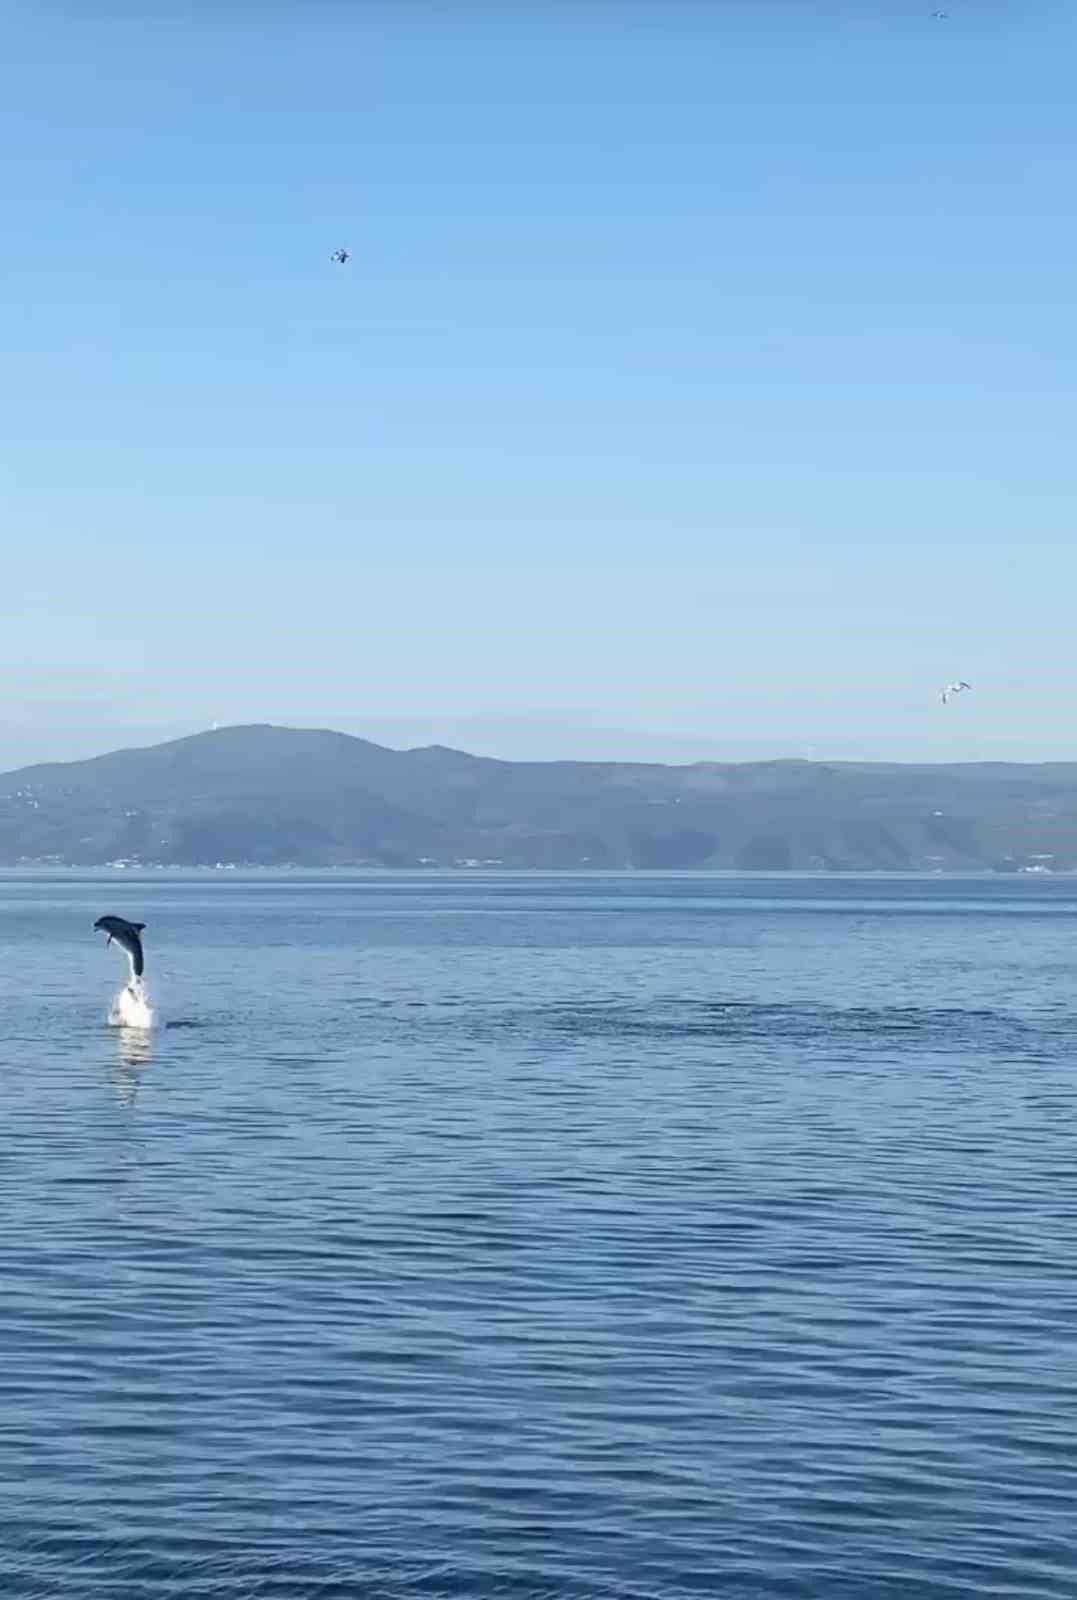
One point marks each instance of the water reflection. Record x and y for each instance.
(135, 1050)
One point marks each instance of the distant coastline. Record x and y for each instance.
(265, 797)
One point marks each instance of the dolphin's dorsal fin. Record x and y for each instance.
(138, 926)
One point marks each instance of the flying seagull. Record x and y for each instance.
(341, 257)
(954, 688)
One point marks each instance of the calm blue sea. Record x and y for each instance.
(465, 1236)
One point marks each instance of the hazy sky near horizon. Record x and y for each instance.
(704, 370)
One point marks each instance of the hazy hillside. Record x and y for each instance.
(274, 795)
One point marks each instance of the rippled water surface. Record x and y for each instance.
(461, 1236)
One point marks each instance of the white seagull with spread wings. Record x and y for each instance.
(954, 688)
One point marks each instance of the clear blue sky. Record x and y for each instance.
(704, 370)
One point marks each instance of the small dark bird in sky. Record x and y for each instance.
(341, 257)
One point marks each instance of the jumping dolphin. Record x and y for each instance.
(126, 935)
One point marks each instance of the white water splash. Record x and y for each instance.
(131, 1007)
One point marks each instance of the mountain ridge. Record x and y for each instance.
(263, 794)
